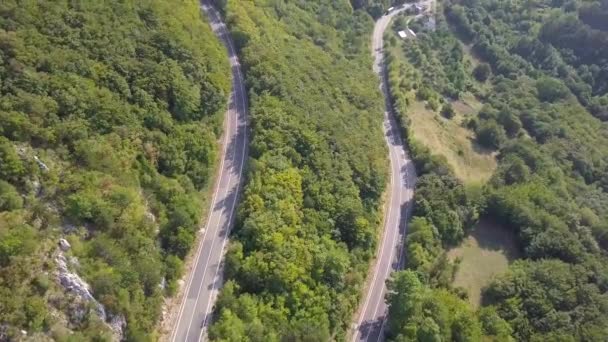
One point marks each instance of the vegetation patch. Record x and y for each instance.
(446, 137)
(541, 78)
(487, 251)
(438, 119)
(109, 116)
(309, 215)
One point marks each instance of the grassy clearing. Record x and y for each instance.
(468, 105)
(487, 251)
(471, 163)
(447, 137)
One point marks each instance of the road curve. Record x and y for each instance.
(205, 278)
(372, 312)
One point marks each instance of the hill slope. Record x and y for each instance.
(109, 116)
(542, 114)
(308, 219)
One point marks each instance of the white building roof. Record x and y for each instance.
(402, 34)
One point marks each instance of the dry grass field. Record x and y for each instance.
(472, 164)
(487, 251)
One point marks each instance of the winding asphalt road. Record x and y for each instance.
(205, 278)
(371, 321)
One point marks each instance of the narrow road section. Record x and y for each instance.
(205, 278)
(372, 314)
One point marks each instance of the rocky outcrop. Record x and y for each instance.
(41, 165)
(72, 283)
(64, 245)
(75, 285)
(118, 323)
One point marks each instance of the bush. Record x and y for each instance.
(448, 111)
(375, 11)
(482, 72)
(11, 166)
(551, 89)
(491, 135)
(9, 197)
(510, 122)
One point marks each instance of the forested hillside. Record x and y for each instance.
(562, 39)
(543, 108)
(308, 220)
(109, 117)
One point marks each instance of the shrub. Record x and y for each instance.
(482, 72)
(448, 111)
(551, 89)
(491, 135)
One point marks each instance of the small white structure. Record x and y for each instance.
(411, 32)
(402, 34)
